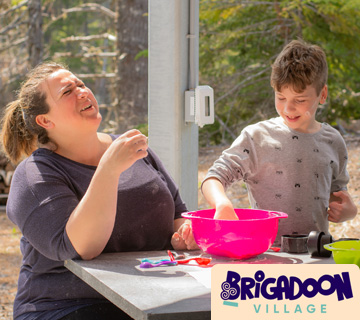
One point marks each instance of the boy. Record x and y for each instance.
(291, 163)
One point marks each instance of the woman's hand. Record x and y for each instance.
(91, 224)
(341, 207)
(124, 151)
(183, 238)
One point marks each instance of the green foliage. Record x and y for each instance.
(15, 2)
(143, 128)
(240, 39)
(143, 53)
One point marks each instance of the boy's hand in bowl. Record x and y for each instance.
(225, 212)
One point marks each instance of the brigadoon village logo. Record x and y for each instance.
(284, 288)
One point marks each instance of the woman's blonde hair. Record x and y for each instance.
(20, 134)
(300, 64)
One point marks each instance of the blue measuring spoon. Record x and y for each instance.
(152, 265)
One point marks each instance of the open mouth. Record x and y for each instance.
(292, 118)
(87, 107)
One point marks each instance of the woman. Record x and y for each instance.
(79, 193)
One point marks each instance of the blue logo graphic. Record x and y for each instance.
(283, 288)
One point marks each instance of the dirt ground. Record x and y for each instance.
(10, 258)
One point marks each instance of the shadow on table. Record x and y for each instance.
(202, 303)
(128, 263)
(260, 259)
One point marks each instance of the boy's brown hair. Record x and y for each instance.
(300, 64)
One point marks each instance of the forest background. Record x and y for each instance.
(105, 44)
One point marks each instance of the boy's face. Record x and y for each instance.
(298, 109)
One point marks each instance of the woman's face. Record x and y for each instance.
(72, 105)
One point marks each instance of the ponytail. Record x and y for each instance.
(17, 141)
(20, 133)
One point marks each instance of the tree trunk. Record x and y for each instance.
(35, 35)
(132, 75)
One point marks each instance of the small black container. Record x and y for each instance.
(294, 243)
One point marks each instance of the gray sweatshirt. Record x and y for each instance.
(288, 171)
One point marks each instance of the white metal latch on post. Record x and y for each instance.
(199, 105)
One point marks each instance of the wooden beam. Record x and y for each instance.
(88, 7)
(13, 44)
(92, 7)
(88, 38)
(96, 75)
(85, 55)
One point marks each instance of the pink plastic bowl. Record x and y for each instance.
(251, 235)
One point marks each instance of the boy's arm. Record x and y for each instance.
(341, 207)
(214, 194)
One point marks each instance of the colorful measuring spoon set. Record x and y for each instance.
(148, 263)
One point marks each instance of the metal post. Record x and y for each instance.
(174, 141)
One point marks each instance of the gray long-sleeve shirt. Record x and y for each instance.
(45, 189)
(288, 171)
